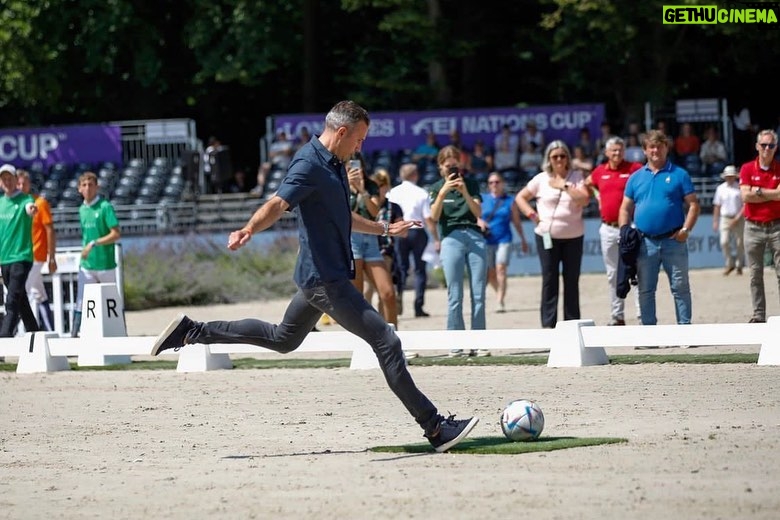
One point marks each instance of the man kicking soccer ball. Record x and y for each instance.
(315, 187)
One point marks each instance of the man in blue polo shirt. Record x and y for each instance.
(316, 189)
(655, 197)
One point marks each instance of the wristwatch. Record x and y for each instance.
(759, 192)
(386, 231)
(684, 230)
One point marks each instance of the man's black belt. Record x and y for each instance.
(771, 223)
(661, 236)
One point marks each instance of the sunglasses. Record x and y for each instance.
(771, 146)
(561, 156)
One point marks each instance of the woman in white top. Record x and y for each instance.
(560, 195)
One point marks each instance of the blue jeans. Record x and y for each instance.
(673, 257)
(347, 306)
(464, 248)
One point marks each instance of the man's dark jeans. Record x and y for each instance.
(348, 307)
(414, 243)
(16, 304)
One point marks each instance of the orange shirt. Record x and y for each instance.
(686, 145)
(41, 219)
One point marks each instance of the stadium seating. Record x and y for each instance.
(160, 184)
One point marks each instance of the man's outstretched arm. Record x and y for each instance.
(265, 217)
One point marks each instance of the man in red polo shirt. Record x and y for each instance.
(610, 180)
(758, 181)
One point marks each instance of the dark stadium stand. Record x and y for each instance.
(157, 197)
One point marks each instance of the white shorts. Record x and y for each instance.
(498, 254)
(91, 276)
(36, 290)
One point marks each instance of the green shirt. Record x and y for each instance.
(358, 204)
(97, 219)
(15, 229)
(455, 210)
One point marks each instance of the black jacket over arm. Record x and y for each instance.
(630, 239)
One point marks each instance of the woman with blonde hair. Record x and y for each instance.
(388, 212)
(364, 199)
(560, 195)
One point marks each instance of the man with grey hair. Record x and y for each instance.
(316, 190)
(416, 206)
(609, 181)
(758, 183)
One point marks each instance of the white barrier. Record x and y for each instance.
(38, 357)
(573, 343)
(102, 317)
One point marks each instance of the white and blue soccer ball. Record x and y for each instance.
(522, 420)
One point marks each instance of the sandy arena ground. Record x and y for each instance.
(702, 439)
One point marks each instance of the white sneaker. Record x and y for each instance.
(501, 308)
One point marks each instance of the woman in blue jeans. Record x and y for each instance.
(456, 204)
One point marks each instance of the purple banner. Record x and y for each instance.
(69, 144)
(406, 130)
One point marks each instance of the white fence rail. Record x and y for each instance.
(571, 344)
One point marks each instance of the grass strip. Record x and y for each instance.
(503, 446)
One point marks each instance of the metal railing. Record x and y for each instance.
(226, 212)
(207, 213)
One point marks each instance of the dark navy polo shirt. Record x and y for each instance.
(316, 189)
(659, 198)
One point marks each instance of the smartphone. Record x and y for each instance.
(354, 163)
(454, 170)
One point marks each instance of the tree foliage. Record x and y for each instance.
(230, 63)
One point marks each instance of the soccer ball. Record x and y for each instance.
(522, 420)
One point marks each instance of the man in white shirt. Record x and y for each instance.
(727, 215)
(415, 205)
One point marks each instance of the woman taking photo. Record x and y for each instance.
(560, 195)
(456, 204)
(364, 200)
(388, 212)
